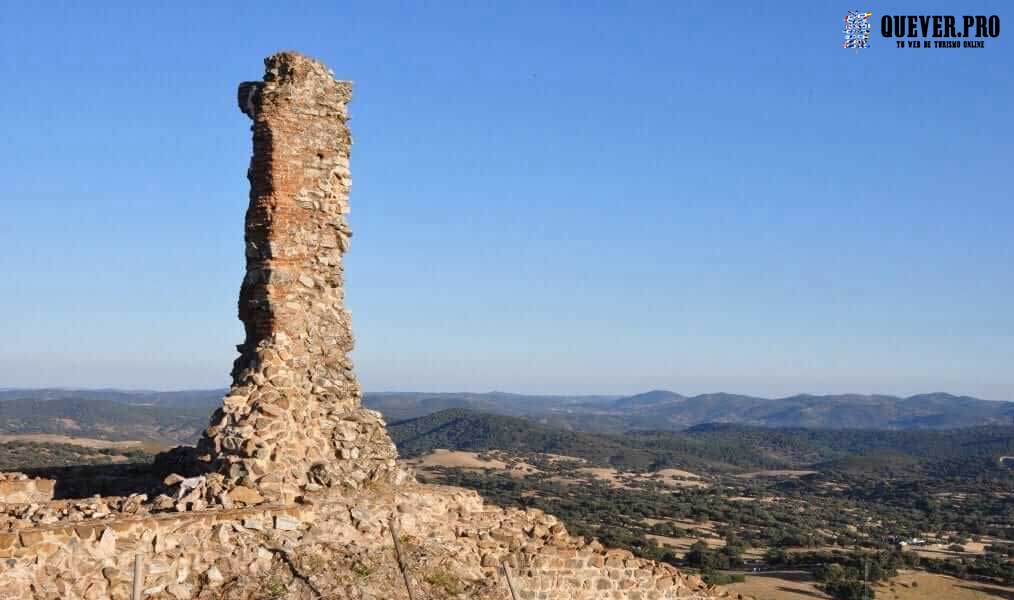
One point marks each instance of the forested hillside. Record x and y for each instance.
(102, 419)
(715, 447)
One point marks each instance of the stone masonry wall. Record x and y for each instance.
(293, 420)
(452, 546)
(18, 487)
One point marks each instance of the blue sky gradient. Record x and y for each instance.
(547, 197)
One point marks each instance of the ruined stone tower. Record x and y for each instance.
(293, 419)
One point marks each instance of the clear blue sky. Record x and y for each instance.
(579, 197)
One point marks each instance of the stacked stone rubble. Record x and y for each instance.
(18, 487)
(293, 420)
(452, 546)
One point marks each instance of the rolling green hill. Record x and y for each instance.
(463, 429)
(102, 419)
(717, 448)
(22, 456)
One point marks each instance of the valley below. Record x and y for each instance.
(772, 535)
(773, 513)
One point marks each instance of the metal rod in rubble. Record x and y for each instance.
(401, 561)
(138, 587)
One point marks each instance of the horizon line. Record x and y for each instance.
(490, 392)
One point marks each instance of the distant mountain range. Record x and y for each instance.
(174, 417)
(665, 410)
(185, 399)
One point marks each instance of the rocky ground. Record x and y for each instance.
(328, 546)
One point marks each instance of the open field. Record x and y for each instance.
(623, 479)
(778, 474)
(705, 527)
(458, 459)
(682, 544)
(611, 476)
(778, 585)
(677, 478)
(558, 458)
(919, 585)
(53, 438)
(944, 550)
(470, 460)
(908, 585)
(677, 474)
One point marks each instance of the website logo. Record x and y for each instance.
(940, 31)
(857, 29)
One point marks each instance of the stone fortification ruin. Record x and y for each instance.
(294, 491)
(293, 420)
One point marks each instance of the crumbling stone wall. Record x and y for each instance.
(293, 420)
(341, 548)
(18, 487)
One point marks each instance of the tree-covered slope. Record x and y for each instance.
(717, 447)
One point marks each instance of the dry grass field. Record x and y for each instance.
(682, 544)
(677, 474)
(918, 585)
(908, 585)
(777, 473)
(944, 550)
(470, 460)
(668, 477)
(53, 438)
(560, 458)
(778, 585)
